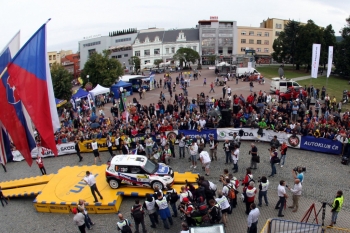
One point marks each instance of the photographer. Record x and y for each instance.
(298, 173)
(254, 153)
(274, 142)
(226, 148)
(296, 190)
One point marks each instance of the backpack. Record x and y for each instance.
(173, 196)
(137, 213)
(219, 213)
(126, 228)
(231, 193)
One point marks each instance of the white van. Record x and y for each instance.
(242, 70)
(282, 85)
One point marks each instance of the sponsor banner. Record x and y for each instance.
(321, 145)
(203, 133)
(227, 133)
(63, 149)
(330, 60)
(316, 50)
(292, 141)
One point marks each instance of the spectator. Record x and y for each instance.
(79, 220)
(282, 195)
(253, 219)
(336, 207)
(263, 187)
(296, 190)
(138, 215)
(123, 225)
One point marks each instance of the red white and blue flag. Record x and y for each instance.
(30, 78)
(13, 115)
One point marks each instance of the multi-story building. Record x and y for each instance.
(217, 39)
(54, 57)
(277, 25)
(120, 45)
(157, 43)
(71, 63)
(255, 39)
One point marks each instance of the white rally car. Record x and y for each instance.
(138, 170)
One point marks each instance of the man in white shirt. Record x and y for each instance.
(281, 191)
(253, 219)
(229, 92)
(235, 157)
(149, 145)
(202, 122)
(94, 146)
(193, 152)
(89, 179)
(296, 190)
(205, 160)
(185, 193)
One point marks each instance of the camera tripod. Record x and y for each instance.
(313, 209)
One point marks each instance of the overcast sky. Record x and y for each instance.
(72, 20)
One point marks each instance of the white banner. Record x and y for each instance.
(249, 66)
(316, 51)
(252, 134)
(63, 149)
(330, 60)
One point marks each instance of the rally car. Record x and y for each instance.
(138, 170)
(291, 93)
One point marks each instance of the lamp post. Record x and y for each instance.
(88, 76)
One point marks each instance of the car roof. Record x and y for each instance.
(132, 160)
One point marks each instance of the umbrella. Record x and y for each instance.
(95, 125)
(93, 118)
(214, 112)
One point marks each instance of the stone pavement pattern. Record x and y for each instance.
(324, 176)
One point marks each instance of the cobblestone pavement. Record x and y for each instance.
(324, 176)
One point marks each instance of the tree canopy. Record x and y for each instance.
(136, 62)
(157, 62)
(342, 51)
(61, 81)
(186, 55)
(102, 69)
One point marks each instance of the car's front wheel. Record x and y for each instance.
(114, 183)
(157, 184)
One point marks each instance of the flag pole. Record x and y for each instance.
(3, 72)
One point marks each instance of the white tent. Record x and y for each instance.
(99, 90)
(223, 64)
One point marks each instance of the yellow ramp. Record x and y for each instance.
(24, 191)
(180, 178)
(38, 180)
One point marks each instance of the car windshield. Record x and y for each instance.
(151, 167)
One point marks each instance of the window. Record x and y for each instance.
(119, 56)
(91, 51)
(266, 42)
(137, 53)
(126, 55)
(167, 50)
(173, 50)
(266, 50)
(220, 51)
(258, 34)
(50, 57)
(243, 41)
(258, 41)
(195, 48)
(251, 41)
(278, 26)
(251, 33)
(122, 40)
(267, 34)
(242, 49)
(156, 51)
(229, 50)
(54, 57)
(147, 61)
(147, 52)
(277, 33)
(258, 49)
(243, 33)
(92, 44)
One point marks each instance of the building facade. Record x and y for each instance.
(54, 57)
(71, 63)
(217, 39)
(119, 45)
(157, 43)
(277, 25)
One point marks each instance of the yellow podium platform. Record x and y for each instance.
(59, 193)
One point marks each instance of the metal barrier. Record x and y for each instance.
(285, 226)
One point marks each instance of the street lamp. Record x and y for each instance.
(88, 76)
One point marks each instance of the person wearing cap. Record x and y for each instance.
(79, 220)
(188, 209)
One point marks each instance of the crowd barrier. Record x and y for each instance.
(280, 225)
(221, 134)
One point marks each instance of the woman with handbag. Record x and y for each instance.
(273, 160)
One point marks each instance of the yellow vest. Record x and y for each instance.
(341, 200)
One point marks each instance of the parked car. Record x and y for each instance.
(138, 170)
(292, 93)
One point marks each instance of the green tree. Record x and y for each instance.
(61, 81)
(186, 55)
(278, 53)
(136, 62)
(157, 62)
(309, 34)
(102, 69)
(291, 30)
(342, 51)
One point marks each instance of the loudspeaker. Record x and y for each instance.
(226, 113)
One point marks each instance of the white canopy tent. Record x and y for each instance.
(223, 64)
(98, 90)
